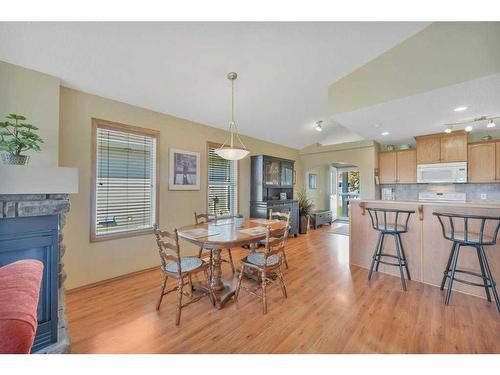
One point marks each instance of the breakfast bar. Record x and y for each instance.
(427, 251)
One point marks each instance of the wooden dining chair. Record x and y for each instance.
(267, 265)
(285, 216)
(209, 218)
(181, 269)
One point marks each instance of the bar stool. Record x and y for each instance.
(456, 228)
(392, 222)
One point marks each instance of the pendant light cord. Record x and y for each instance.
(232, 124)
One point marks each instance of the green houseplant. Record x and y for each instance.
(17, 137)
(305, 208)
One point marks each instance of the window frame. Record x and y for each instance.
(111, 125)
(217, 145)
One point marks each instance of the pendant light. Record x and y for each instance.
(232, 151)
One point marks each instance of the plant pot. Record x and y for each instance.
(303, 224)
(11, 159)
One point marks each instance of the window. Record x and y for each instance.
(222, 184)
(124, 185)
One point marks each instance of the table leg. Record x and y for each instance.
(223, 292)
(217, 283)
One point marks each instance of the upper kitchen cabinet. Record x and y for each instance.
(407, 166)
(454, 147)
(428, 149)
(481, 165)
(442, 148)
(387, 164)
(398, 167)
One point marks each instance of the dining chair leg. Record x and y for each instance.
(200, 251)
(190, 283)
(238, 285)
(162, 292)
(282, 284)
(179, 302)
(264, 295)
(211, 293)
(285, 258)
(231, 260)
(211, 264)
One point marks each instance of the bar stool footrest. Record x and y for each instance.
(489, 284)
(377, 259)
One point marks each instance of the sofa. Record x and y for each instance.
(19, 292)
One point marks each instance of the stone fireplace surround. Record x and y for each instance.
(31, 205)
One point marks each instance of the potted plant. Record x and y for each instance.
(305, 209)
(17, 137)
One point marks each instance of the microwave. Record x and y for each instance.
(442, 173)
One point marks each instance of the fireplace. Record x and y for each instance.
(30, 227)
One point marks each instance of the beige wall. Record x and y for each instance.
(87, 262)
(320, 195)
(362, 154)
(36, 96)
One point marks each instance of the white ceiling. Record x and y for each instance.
(180, 68)
(426, 113)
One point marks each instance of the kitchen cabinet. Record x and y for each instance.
(387, 164)
(442, 148)
(481, 162)
(453, 147)
(497, 161)
(398, 167)
(428, 149)
(406, 167)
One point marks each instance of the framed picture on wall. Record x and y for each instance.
(184, 171)
(312, 181)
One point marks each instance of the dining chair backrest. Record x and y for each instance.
(168, 247)
(469, 229)
(285, 216)
(204, 218)
(275, 242)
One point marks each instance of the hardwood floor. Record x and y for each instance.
(331, 308)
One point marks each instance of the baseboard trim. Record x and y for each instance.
(102, 282)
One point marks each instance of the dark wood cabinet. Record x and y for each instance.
(272, 177)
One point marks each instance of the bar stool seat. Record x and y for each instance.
(471, 237)
(392, 222)
(487, 235)
(391, 227)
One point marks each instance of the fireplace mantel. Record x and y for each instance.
(38, 180)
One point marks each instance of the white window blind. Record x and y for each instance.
(222, 184)
(125, 193)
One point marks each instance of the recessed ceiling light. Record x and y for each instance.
(460, 109)
(318, 126)
(384, 133)
(448, 129)
(468, 128)
(490, 124)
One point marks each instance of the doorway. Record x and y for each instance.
(345, 186)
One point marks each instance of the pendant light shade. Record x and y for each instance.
(230, 150)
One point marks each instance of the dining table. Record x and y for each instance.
(228, 233)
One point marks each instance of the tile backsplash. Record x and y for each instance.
(475, 192)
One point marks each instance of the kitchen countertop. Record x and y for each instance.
(491, 205)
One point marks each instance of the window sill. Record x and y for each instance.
(117, 236)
